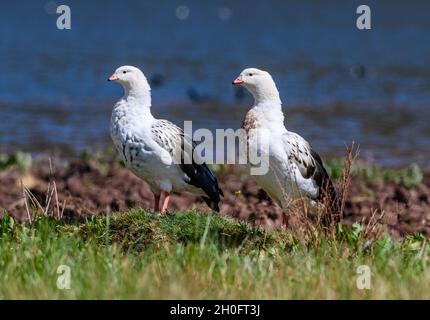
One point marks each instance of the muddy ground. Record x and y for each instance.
(84, 189)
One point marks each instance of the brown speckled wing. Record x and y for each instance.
(167, 135)
(307, 160)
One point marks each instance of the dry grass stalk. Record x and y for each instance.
(51, 207)
(351, 155)
(371, 228)
(27, 209)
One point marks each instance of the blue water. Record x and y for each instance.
(337, 83)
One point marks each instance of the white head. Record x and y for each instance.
(260, 84)
(133, 81)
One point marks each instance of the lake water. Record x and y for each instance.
(337, 83)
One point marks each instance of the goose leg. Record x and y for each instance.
(284, 223)
(165, 202)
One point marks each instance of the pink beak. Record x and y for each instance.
(238, 80)
(113, 78)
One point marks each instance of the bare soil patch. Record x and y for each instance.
(85, 190)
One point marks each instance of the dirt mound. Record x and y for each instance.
(86, 190)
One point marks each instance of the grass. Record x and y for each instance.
(199, 256)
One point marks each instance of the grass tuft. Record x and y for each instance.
(138, 230)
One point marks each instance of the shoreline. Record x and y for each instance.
(400, 139)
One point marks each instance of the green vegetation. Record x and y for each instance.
(409, 177)
(19, 160)
(191, 255)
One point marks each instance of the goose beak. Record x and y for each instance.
(237, 81)
(113, 78)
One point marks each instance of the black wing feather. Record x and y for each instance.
(326, 186)
(202, 177)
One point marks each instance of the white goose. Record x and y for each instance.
(152, 148)
(294, 168)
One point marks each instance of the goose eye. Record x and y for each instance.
(250, 74)
(124, 72)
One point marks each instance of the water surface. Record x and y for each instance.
(337, 83)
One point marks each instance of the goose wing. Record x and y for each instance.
(310, 165)
(173, 139)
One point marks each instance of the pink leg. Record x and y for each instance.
(165, 202)
(284, 224)
(157, 202)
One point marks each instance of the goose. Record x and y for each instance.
(294, 168)
(156, 150)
